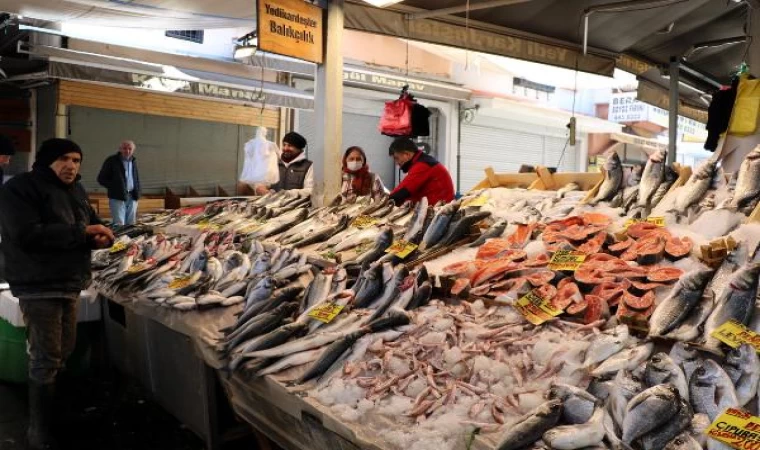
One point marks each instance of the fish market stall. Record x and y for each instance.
(582, 317)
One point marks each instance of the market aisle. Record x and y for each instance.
(110, 412)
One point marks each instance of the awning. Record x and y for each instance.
(73, 65)
(649, 146)
(657, 95)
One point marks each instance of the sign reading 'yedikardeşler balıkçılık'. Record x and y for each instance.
(292, 28)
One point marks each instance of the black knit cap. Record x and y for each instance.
(295, 139)
(403, 145)
(53, 149)
(6, 146)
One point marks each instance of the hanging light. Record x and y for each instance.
(383, 3)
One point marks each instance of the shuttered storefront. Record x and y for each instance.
(487, 142)
(181, 141)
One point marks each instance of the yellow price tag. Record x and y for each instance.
(401, 248)
(567, 260)
(734, 334)
(736, 428)
(480, 200)
(535, 309)
(363, 222)
(326, 313)
(117, 247)
(179, 283)
(658, 221)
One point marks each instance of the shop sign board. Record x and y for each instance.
(292, 28)
(625, 107)
(365, 78)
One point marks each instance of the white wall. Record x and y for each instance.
(217, 43)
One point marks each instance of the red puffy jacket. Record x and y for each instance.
(425, 177)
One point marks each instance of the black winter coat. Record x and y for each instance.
(43, 225)
(113, 178)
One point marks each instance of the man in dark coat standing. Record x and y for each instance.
(120, 177)
(6, 151)
(48, 231)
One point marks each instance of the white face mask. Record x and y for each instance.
(354, 165)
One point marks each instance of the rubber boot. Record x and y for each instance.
(41, 410)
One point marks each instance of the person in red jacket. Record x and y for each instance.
(425, 176)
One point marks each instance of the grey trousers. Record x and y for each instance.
(51, 326)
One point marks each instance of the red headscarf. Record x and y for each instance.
(361, 183)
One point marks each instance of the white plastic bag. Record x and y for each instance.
(260, 164)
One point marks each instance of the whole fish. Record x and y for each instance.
(683, 441)
(259, 325)
(439, 225)
(278, 297)
(361, 237)
(261, 290)
(294, 360)
(578, 404)
(652, 176)
(747, 187)
(494, 231)
(421, 296)
(625, 386)
(339, 281)
(400, 212)
(661, 191)
(322, 233)
(736, 301)
(659, 437)
(743, 368)
(309, 342)
(372, 286)
(273, 338)
(583, 435)
(613, 178)
(531, 427)
(687, 357)
(569, 187)
(215, 269)
(649, 410)
(261, 265)
(460, 227)
(696, 187)
(384, 240)
(317, 291)
(605, 345)
(626, 359)
(661, 369)
(416, 226)
(332, 354)
(672, 311)
(711, 390)
(391, 291)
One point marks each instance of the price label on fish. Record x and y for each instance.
(657, 221)
(363, 222)
(401, 248)
(736, 428)
(535, 309)
(480, 200)
(734, 334)
(117, 247)
(327, 312)
(569, 260)
(179, 283)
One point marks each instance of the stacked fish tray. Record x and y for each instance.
(564, 323)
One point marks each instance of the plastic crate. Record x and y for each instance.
(14, 360)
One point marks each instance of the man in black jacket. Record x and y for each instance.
(120, 177)
(6, 151)
(48, 231)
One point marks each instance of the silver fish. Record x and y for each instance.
(261, 264)
(696, 187)
(613, 178)
(307, 343)
(625, 386)
(569, 187)
(711, 390)
(260, 291)
(683, 441)
(361, 237)
(438, 226)
(743, 368)
(531, 427)
(649, 410)
(417, 223)
(372, 286)
(672, 311)
(269, 340)
(570, 437)
(460, 227)
(660, 193)
(294, 360)
(736, 301)
(652, 176)
(626, 359)
(578, 404)
(605, 345)
(659, 437)
(687, 357)
(748, 181)
(661, 369)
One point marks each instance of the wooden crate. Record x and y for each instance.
(540, 180)
(508, 180)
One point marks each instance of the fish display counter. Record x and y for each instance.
(572, 319)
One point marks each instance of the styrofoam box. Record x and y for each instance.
(89, 308)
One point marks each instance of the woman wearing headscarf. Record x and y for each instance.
(358, 181)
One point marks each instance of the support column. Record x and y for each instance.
(754, 49)
(673, 113)
(62, 121)
(329, 109)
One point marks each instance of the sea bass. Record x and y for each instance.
(652, 177)
(613, 178)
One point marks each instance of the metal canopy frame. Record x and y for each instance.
(460, 9)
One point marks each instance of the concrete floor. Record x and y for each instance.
(107, 412)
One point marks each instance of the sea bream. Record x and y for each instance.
(696, 187)
(743, 367)
(747, 188)
(662, 369)
(683, 297)
(736, 301)
(711, 390)
(649, 410)
(613, 178)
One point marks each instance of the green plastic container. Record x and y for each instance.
(14, 360)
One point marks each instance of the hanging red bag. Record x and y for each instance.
(397, 117)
